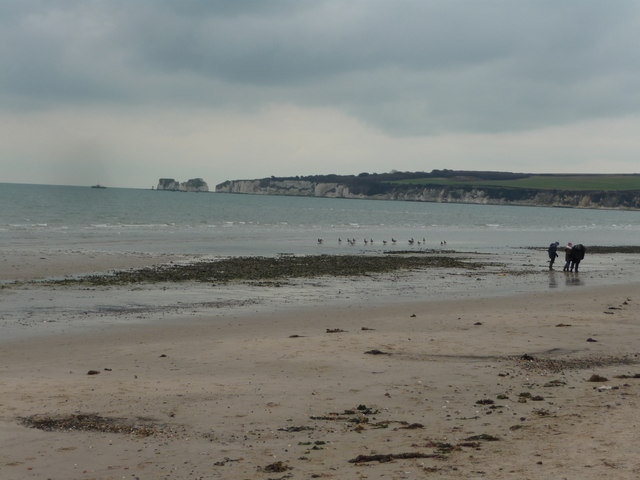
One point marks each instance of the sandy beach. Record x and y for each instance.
(530, 385)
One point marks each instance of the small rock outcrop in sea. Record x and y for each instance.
(192, 185)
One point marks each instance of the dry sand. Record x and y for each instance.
(296, 395)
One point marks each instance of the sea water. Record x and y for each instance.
(39, 219)
(217, 224)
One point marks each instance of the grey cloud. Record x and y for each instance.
(408, 67)
(55, 53)
(307, 45)
(328, 38)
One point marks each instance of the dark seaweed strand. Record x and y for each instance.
(268, 268)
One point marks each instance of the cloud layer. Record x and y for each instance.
(404, 73)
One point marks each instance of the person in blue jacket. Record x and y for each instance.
(553, 254)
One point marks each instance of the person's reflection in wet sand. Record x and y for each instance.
(573, 279)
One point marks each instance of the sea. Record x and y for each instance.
(221, 224)
(47, 220)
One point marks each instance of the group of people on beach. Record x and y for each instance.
(573, 255)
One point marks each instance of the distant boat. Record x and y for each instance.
(97, 185)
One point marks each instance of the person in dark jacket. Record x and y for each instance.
(577, 255)
(552, 251)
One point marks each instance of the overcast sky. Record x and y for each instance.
(123, 92)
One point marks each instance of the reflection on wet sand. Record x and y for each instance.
(573, 279)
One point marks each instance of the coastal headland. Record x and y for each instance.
(539, 382)
(450, 186)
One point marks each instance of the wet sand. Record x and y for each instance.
(34, 263)
(486, 387)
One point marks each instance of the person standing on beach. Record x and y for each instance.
(567, 257)
(577, 254)
(552, 251)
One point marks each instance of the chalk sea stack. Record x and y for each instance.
(192, 185)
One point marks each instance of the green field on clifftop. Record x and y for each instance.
(543, 182)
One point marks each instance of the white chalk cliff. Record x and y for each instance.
(627, 200)
(192, 185)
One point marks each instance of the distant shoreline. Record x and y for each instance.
(594, 191)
